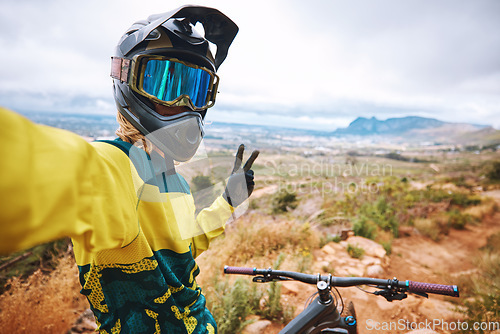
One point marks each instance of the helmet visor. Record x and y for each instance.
(171, 82)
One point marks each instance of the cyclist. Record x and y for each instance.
(129, 214)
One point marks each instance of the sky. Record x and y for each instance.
(316, 64)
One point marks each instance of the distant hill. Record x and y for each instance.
(420, 128)
(485, 136)
(362, 126)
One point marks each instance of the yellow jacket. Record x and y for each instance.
(135, 240)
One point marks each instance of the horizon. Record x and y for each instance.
(300, 65)
(209, 122)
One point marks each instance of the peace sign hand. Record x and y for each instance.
(240, 184)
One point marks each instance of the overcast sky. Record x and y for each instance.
(309, 64)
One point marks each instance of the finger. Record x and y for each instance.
(239, 158)
(249, 176)
(250, 161)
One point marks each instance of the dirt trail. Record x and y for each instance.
(414, 258)
(423, 258)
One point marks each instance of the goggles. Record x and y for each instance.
(168, 81)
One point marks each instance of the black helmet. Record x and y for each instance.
(164, 60)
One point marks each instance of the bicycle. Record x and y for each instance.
(322, 315)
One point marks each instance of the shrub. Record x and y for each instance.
(365, 227)
(355, 252)
(427, 227)
(464, 200)
(283, 201)
(326, 238)
(483, 290)
(458, 220)
(232, 303)
(387, 247)
(273, 309)
(493, 171)
(200, 182)
(304, 260)
(487, 208)
(454, 198)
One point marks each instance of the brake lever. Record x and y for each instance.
(261, 279)
(391, 295)
(421, 294)
(269, 278)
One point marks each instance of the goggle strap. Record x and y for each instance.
(120, 68)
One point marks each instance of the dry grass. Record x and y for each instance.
(487, 208)
(428, 227)
(43, 303)
(256, 240)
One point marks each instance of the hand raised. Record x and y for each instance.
(241, 183)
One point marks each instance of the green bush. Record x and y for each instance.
(458, 220)
(232, 304)
(380, 212)
(394, 204)
(273, 309)
(326, 238)
(387, 247)
(355, 252)
(201, 182)
(454, 198)
(283, 201)
(364, 227)
(464, 200)
(493, 171)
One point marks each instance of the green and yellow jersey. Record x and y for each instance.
(128, 221)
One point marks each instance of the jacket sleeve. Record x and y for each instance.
(212, 221)
(54, 184)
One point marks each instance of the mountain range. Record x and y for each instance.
(406, 129)
(414, 128)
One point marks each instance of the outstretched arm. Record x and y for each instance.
(55, 184)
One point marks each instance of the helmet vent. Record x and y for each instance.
(153, 35)
(184, 30)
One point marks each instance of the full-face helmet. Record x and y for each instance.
(165, 62)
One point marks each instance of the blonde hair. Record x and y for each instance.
(129, 133)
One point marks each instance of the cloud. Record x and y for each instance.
(325, 61)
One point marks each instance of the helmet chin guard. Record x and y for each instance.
(180, 139)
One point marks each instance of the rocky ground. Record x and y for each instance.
(413, 257)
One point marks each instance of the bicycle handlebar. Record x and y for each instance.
(410, 286)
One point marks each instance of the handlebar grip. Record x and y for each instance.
(440, 289)
(239, 270)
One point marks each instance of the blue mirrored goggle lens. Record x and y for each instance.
(167, 80)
